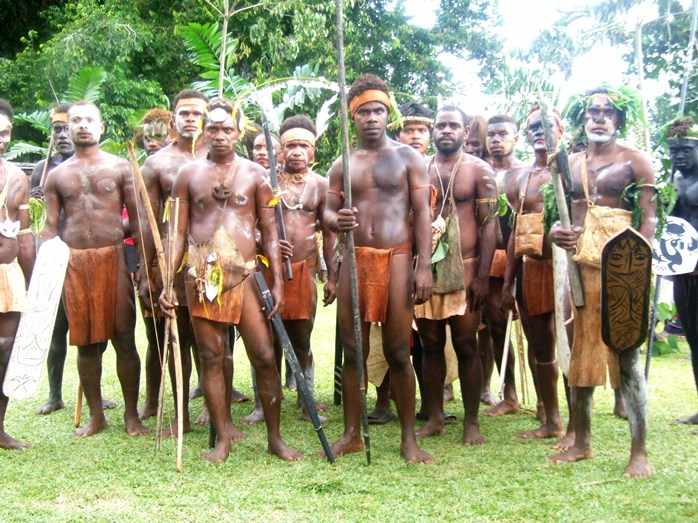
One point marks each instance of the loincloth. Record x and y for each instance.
(13, 287)
(537, 285)
(226, 308)
(499, 264)
(300, 296)
(443, 306)
(590, 355)
(373, 270)
(91, 293)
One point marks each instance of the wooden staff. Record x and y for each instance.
(505, 355)
(349, 251)
(44, 172)
(172, 332)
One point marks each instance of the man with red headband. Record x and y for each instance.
(390, 194)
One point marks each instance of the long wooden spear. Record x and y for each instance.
(349, 256)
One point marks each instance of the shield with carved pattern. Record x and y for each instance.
(626, 279)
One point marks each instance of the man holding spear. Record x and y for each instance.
(390, 195)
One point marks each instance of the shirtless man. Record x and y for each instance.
(415, 132)
(533, 268)
(223, 198)
(465, 220)
(159, 174)
(156, 130)
(390, 194)
(259, 149)
(91, 189)
(502, 135)
(303, 200)
(682, 137)
(599, 177)
(16, 259)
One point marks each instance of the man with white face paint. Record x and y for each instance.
(159, 173)
(303, 200)
(599, 178)
(87, 193)
(16, 259)
(223, 199)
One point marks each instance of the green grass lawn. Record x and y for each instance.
(112, 477)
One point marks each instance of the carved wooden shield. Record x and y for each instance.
(626, 279)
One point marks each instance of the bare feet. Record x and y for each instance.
(619, 408)
(256, 416)
(238, 397)
(196, 393)
(7, 442)
(51, 406)
(204, 419)
(134, 427)
(280, 449)
(502, 408)
(639, 467)
(108, 404)
(305, 417)
(487, 398)
(431, 428)
(148, 411)
(347, 444)
(94, 426)
(566, 442)
(219, 453)
(543, 432)
(690, 420)
(571, 455)
(380, 416)
(414, 455)
(472, 435)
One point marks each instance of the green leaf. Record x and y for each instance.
(86, 85)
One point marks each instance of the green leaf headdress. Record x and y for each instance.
(624, 99)
(684, 127)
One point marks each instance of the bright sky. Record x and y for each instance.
(522, 21)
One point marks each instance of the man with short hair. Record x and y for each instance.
(222, 200)
(260, 154)
(502, 135)
(156, 130)
(682, 138)
(91, 189)
(390, 197)
(600, 177)
(463, 244)
(159, 174)
(530, 263)
(17, 253)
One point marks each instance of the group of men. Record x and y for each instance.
(433, 250)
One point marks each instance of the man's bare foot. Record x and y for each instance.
(238, 397)
(196, 393)
(256, 416)
(472, 435)
(639, 467)
(566, 442)
(280, 449)
(51, 406)
(503, 408)
(148, 411)
(204, 419)
(414, 455)
(543, 432)
(94, 426)
(690, 420)
(347, 444)
(487, 398)
(570, 455)
(219, 453)
(134, 427)
(108, 404)
(431, 428)
(171, 431)
(305, 417)
(7, 442)
(448, 392)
